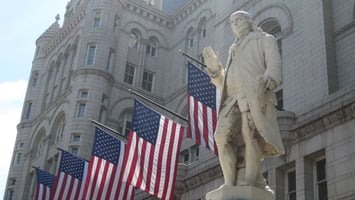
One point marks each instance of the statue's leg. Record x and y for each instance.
(253, 152)
(226, 150)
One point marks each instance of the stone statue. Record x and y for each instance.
(247, 129)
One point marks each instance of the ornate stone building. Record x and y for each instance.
(84, 68)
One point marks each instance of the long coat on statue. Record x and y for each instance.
(250, 59)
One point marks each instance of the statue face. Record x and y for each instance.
(239, 24)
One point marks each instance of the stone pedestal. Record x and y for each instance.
(239, 193)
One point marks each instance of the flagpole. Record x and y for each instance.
(192, 58)
(160, 106)
(117, 134)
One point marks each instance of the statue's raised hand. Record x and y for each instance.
(212, 61)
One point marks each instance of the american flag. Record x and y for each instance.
(152, 152)
(105, 168)
(45, 182)
(71, 177)
(203, 102)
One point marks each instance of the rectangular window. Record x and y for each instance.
(34, 79)
(90, 54)
(151, 50)
(83, 94)
(315, 176)
(321, 180)
(74, 150)
(20, 145)
(184, 157)
(195, 153)
(291, 182)
(75, 138)
(147, 82)
(80, 110)
(129, 74)
(110, 58)
(12, 181)
(18, 158)
(97, 19)
(28, 107)
(10, 194)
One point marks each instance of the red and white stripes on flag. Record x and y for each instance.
(152, 152)
(203, 103)
(70, 180)
(45, 182)
(105, 168)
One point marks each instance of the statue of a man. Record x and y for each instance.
(247, 129)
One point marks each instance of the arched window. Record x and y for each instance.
(273, 27)
(38, 144)
(57, 129)
(190, 38)
(126, 122)
(152, 46)
(202, 28)
(134, 39)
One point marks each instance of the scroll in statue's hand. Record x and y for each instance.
(212, 61)
(269, 83)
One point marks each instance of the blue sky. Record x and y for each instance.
(22, 23)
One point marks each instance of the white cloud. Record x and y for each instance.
(11, 100)
(12, 91)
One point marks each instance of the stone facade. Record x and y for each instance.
(84, 70)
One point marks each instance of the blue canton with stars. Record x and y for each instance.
(145, 122)
(72, 165)
(200, 87)
(106, 146)
(45, 178)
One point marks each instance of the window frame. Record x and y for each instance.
(148, 84)
(97, 18)
(74, 136)
(134, 39)
(90, 54)
(80, 109)
(110, 59)
(287, 181)
(317, 182)
(127, 74)
(28, 109)
(74, 150)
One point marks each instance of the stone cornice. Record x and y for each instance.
(323, 123)
(338, 109)
(93, 71)
(148, 12)
(184, 11)
(192, 182)
(159, 17)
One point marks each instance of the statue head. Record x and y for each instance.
(242, 23)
